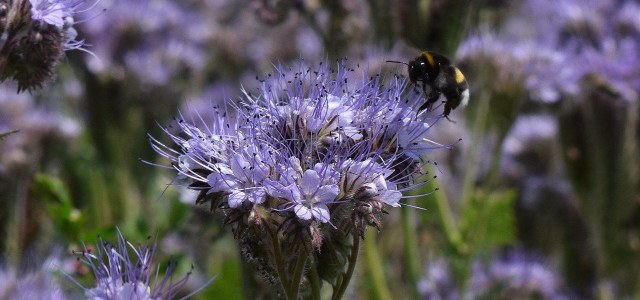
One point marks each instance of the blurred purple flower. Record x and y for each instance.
(512, 276)
(34, 284)
(312, 139)
(121, 276)
(553, 47)
(515, 276)
(530, 148)
(24, 151)
(438, 284)
(151, 40)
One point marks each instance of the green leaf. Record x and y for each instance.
(227, 284)
(489, 220)
(67, 219)
(178, 212)
(52, 188)
(333, 257)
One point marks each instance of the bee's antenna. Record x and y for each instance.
(397, 62)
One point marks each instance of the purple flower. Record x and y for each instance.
(47, 11)
(151, 41)
(513, 276)
(34, 284)
(33, 37)
(552, 48)
(367, 179)
(439, 282)
(40, 129)
(310, 142)
(119, 275)
(307, 193)
(241, 178)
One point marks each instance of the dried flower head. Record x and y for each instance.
(33, 37)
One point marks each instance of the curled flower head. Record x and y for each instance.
(119, 275)
(33, 37)
(314, 149)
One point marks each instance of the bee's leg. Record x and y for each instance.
(433, 96)
(426, 105)
(447, 111)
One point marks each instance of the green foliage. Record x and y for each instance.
(333, 258)
(67, 219)
(226, 285)
(488, 221)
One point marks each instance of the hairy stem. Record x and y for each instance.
(277, 258)
(353, 259)
(314, 279)
(294, 286)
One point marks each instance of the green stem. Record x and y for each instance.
(596, 198)
(451, 231)
(314, 279)
(294, 286)
(277, 257)
(374, 264)
(410, 247)
(353, 258)
(479, 125)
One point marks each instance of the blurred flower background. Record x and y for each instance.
(540, 199)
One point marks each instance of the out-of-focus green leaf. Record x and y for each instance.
(177, 213)
(489, 221)
(226, 285)
(52, 188)
(67, 219)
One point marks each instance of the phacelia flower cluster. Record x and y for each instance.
(120, 275)
(315, 150)
(33, 37)
(515, 275)
(554, 47)
(33, 283)
(167, 43)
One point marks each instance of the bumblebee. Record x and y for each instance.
(438, 76)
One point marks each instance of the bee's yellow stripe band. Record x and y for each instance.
(459, 76)
(429, 58)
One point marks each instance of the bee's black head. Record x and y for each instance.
(417, 70)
